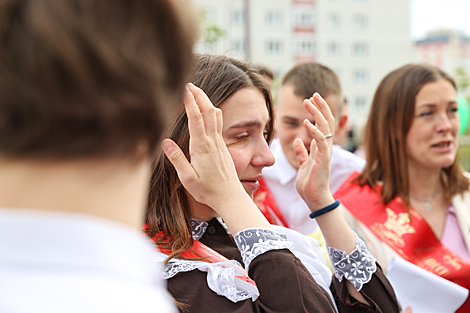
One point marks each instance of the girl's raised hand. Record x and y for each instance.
(314, 168)
(210, 175)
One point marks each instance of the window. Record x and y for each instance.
(333, 48)
(333, 21)
(360, 49)
(274, 47)
(361, 22)
(361, 76)
(360, 102)
(274, 19)
(304, 46)
(303, 18)
(237, 18)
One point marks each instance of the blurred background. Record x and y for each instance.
(361, 40)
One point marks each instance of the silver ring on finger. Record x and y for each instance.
(329, 135)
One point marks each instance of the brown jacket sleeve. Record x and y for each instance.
(285, 285)
(283, 282)
(378, 292)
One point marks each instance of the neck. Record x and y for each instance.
(423, 182)
(200, 211)
(110, 189)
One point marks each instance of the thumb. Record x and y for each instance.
(300, 151)
(178, 160)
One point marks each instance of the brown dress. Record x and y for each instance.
(283, 282)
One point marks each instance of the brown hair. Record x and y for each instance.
(265, 71)
(168, 209)
(390, 119)
(90, 78)
(310, 77)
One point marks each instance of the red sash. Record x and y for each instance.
(413, 240)
(208, 255)
(268, 206)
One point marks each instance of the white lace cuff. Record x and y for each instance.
(220, 277)
(255, 241)
(357, 267)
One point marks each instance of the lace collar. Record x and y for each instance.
(199, 228)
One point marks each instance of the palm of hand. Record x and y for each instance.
(313, 177)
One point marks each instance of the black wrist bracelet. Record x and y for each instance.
(326, 209)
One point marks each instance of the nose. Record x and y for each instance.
(444, 123)
(263, 156)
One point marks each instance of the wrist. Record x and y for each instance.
(325, 209)
(321, 203)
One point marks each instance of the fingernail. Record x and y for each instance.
(167, 146)
(187, 89)
(191, 85)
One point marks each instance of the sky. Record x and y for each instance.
(431, 14)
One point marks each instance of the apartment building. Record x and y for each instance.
(361, 40)
(447, 49)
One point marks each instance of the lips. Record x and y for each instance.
(252, 183)
(443, 146)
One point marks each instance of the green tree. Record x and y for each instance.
(211, 33)
(461, 78)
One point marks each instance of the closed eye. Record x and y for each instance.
(425, 113)
(242, 137)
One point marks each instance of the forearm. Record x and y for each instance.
(336, 231)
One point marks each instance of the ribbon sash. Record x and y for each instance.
(265, 202)
(210, 256)
(413, 240)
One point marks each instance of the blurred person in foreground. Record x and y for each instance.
(85, 89)
(412, 199)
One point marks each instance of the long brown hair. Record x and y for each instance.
(390, 119)
(168, 208)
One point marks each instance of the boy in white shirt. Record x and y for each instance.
(298, 84)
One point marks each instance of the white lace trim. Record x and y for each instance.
(357, 267)
(220, 277)
(198, 228)
(253, 242)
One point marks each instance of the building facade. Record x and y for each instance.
(447, 49)
(361, 40)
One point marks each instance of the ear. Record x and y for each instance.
(343, 122)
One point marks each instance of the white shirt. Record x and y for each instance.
(65, 262)
(280, 179)
(343, 163)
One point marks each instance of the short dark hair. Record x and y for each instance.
(389, 122)
(90, 78)
(310, 77)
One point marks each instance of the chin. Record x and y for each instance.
(447, 162)
(250, 193)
